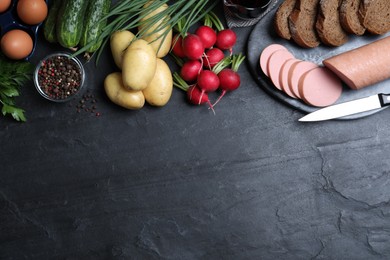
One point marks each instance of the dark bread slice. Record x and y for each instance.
(281, 19)
(328, 24)
(375, 15)
(302, 22)
(349, 17)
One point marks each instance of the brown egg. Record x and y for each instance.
(4, 4)
(16, 44)
(32, 11)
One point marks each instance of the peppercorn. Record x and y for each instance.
(88, 103)
(59, 77)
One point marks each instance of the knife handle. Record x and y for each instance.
(384, 99)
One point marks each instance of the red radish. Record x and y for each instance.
(208, 81)
(197, 97)
(194, 95)
(177, 46)
(212, 57)
(193, 47)
(229, 79)
(226, 39)
(207, 35)
(190, 70)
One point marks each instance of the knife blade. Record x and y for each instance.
(348, 108)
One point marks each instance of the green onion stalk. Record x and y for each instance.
(131, 14)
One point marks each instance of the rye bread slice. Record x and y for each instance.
(328, 24)
(375, 15)
(349, 17)
(302, 22)
(281, 19)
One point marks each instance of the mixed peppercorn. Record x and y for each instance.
(59, 77)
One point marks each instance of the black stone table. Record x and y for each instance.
(178, 182)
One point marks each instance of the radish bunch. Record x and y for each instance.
(207, 63)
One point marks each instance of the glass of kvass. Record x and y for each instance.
(247, 9)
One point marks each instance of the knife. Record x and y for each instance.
(348, 108)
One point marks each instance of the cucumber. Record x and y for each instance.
(94, 25)
(49, 26)
(70, 22)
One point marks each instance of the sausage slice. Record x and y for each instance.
(296, 72)
(275, 62)
(320, 87)
(265, 55)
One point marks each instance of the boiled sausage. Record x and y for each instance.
(285, 75)
(275, 62)
(363, 66)
(320, 87)
(265, 55)
(296, 72)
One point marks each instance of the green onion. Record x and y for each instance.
(130, 14)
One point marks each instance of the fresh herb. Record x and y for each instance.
(130, 14)
(13, 74)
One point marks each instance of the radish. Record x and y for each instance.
(177, 46)
(207, 81)
(226, 39)
(229, 79)
(190, 70)
(197, 97)
(212, 57)
(193, 47)
(207, 35)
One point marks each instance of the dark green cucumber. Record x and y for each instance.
(70, 22)
(49, 26)
(95, 23)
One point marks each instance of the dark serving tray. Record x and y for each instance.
(263, 35)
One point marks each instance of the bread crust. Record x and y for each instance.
(375, 15)
(281, 19)
(328, 24)
(349, 17)
(302, 22)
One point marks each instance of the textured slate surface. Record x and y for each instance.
(250, 182)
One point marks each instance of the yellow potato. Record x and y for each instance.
(119, 41)
(116, 92)
(160, 88)
(138, 65)
(161, 43)
(158, 10)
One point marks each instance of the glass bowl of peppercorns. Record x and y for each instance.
(59, 77)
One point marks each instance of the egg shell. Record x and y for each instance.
(32, 12)
(16, 44)
(9, 21)
(4, 5)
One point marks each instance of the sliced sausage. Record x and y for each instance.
(284, 76)
(265, 55)
(275, 62)
(363, 66)
(320, 87)
(296, 72)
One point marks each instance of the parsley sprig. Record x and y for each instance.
(13, 74)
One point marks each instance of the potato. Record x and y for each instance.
(117, 93)
(161, 43)
(160, 88)
(119, 41)
(158, 10)
(138, 65)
